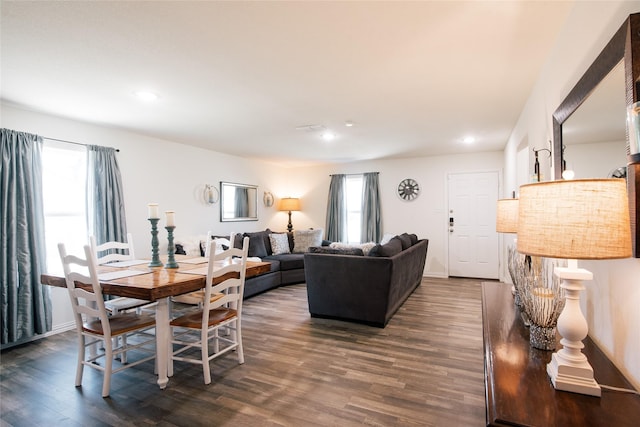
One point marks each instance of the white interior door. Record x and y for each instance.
(473, 240)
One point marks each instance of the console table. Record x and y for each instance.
(518, 389)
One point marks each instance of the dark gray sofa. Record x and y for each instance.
(364, 289)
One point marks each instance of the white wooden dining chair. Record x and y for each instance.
(112, 252)
(109, 252)
(199, 329)
(94, 324)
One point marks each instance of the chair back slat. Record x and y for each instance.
(112, 251)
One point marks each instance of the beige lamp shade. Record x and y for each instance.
(289, 204)
(579, 219)
(507, 216)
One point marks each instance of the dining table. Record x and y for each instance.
(135, 279)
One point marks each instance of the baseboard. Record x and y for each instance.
(58, 329)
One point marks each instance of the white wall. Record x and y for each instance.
(612, 299)
(425, 216)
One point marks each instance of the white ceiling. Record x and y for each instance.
(239, 77)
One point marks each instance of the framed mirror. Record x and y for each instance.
(594, 113)
(239, 202)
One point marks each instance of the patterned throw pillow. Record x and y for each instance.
(279, 243)
(303, 239)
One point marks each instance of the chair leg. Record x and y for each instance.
(81, 355)
(206, 369)
(123, 355)
(108, 367)
(238, 337)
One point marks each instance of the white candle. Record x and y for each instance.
(153, 210)
(171, 220)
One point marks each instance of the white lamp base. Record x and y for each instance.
(577, 378)
(569, 369)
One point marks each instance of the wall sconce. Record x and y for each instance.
(211, 194)
(289, 204)
(536, 165)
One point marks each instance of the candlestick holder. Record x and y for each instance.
(171, 261)
(155, 258)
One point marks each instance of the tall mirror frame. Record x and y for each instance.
(623, 46)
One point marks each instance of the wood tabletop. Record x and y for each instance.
(518, 389)
(157, 282)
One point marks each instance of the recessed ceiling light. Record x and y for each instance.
(469, 140)
(146, 95)
(348, 123)
(328, 136)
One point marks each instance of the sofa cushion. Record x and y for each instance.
(414, 239)
(389, 249)
(405, 240)
(304, 239)
(257, 248)
(338, 251)
(288, 261)
(259, 245)
(279, 243)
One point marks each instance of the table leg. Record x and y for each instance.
(162, 340)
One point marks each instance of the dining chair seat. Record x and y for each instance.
(120, 324)
(194, 319)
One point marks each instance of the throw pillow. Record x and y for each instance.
(335, 251)
(279, 243)
(414, 239)
(364, 247)
(304, 239)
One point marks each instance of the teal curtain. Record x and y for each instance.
(105, 199)
(337, 209)
(25, 302)
(371, 220)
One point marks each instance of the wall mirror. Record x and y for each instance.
(239, 202)
(589, 127)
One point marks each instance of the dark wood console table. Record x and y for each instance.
(518, 390)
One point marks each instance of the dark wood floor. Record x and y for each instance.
(424, 369)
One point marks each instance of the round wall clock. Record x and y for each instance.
(408, 189)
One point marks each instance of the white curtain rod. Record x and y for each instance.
(69, 142)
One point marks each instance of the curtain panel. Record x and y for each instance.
(371, 229)
(337, 209)
(105, 199)
(25, 302)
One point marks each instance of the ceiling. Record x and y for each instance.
(237, 77)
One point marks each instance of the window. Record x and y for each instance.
(354, 207)
(64, 169)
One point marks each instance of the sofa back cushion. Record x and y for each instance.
(389, 249)
(259, 245)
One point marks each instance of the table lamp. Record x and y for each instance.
(507, 222)
(581, 219)
(289, 204)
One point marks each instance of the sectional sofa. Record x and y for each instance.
(359, 283)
